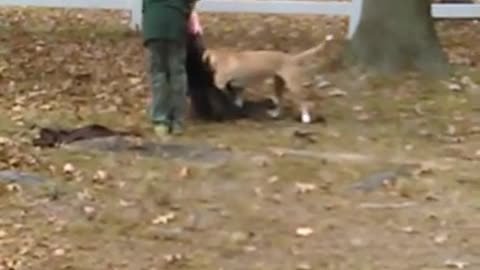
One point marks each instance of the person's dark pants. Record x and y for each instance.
(168, 82)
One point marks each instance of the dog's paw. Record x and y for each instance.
(275, 113)
(306, 118)
(238, 101)
(317, 119)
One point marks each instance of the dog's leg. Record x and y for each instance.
(276, 112)
(304, 106)
(220, 80)
(235, 93)
(305, 114)
(293, 79)
(279, 90)
(238, 99)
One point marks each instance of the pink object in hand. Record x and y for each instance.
(194, 24)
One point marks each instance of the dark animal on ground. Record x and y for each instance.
(50, 137)
(207, 101)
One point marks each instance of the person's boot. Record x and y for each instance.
(177, 128)
(161, 130)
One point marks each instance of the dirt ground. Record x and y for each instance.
(284, 198)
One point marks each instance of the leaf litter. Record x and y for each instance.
(72, 67)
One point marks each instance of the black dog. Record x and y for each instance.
(208, 102)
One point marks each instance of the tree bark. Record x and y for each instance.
(397, 35)
(455, 1)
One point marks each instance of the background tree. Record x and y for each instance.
(397, 35)
(455, 1)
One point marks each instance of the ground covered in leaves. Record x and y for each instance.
(284, 198)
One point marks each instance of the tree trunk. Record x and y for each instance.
(455, 1)
(397, 35)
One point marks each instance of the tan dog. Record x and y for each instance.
(241, 69)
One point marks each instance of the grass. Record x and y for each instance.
(233, 216)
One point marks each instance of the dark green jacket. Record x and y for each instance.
(165, 19)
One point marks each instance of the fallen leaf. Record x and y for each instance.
(409, 229)
(440, 238)
(456, 264)
(250, 248)
(468, 82)
(358, 108)
(172, 258)
(5, 141)
(277, 198)
(303, 266)
(59, 252)
(363, 116)
(68, 168)
(337, 93)
(357, 242)
(14, 188)
(273, 179)
(84, 195)
(89, 211)
(222, 146)
(124, 203)
(304, 231)
(121, 184)
(135, 80)
(409, 147)
(164, 219)
(100, 175)
(239, 237)
(454, 87)
(303, 188)
(258, 192)
(387, 205)
(451, 130)
(184, 172)
(323, 84)
(278, 153)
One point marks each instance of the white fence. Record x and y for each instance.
(351, 9)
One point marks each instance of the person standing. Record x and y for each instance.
(164, 28)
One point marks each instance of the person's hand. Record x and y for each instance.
(192, 5)
(194, 25)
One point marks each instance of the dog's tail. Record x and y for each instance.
(312, 51)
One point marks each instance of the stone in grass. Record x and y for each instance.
(380, 179)
(196, 153)
(12, 176)
(15, 179)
